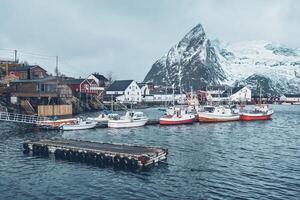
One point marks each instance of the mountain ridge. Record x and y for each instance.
(196, 61)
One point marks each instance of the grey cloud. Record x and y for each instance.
(127, 36)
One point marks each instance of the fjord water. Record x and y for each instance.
(245, 160)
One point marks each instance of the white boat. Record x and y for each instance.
(78, 125)
(217, 114)
(131, 119)
(102, 119)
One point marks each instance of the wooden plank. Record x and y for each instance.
(54, 110)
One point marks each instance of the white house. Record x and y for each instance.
(235, 94)
(290, 98)
(240, 94)
(125, 91)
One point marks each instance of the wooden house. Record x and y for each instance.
(47, 87)
(28, 72)
(31, 94)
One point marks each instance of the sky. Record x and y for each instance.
(125, 37)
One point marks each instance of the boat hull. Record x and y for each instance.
(249, 117)
(204, 118)
(175, 122)
(99, 121)
(126, 123)
(67, 127)
(189, 119)
(58, 123)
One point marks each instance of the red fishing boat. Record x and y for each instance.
(261, 112)
(177, 116)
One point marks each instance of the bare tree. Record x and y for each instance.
(110, 77)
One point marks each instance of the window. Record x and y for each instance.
(138, 93)
(128, 93)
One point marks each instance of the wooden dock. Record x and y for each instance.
(119, 156)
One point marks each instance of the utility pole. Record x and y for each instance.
(16, 52)
(6, 68)
(56, 67)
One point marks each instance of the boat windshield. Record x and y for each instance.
(209, 109)
(138, 114)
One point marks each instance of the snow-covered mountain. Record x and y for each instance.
(190, 63)
(274, 67)
(196, 61)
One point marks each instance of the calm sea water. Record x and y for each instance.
(238, 160)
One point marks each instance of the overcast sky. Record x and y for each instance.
(126, 37)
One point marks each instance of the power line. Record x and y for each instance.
(36, 54)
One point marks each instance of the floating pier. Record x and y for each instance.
(119, 156)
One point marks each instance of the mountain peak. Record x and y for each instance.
(191, 63)
(194, 36)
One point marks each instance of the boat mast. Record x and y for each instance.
(230, 96)
(173, 95)
(260, 96)
(166, 92)
(112, 103)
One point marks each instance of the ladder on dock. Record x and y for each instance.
(19, 118)
(26, 105)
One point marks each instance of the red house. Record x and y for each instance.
(83, 86)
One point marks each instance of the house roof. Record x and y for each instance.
(100, 77)
(50, 78)
(74, 81)
(120, 85)
(23, 68)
